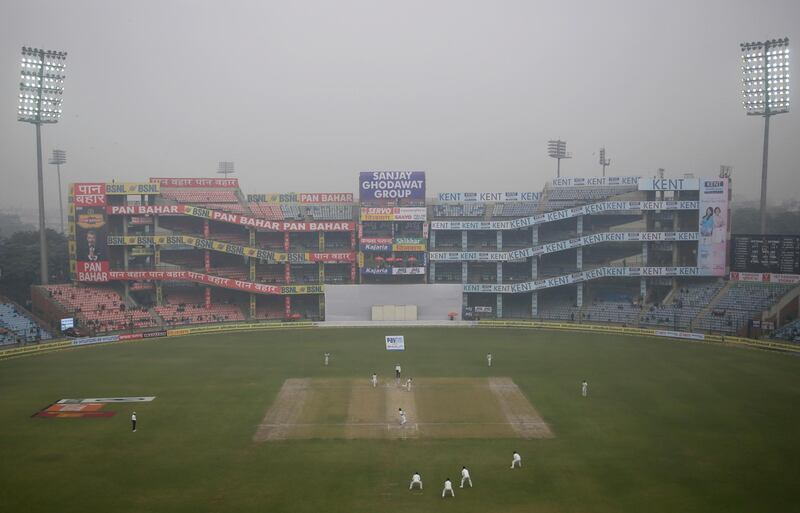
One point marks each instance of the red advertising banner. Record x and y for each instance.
(92, 271)
(766, 277)
(145, 210)
(218, 281)
(325, 197)
(89, 194)
(332, 257)
(276, 226)
(197, 182)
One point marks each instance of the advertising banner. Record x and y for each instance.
(488, 197)
(389, 185)
(91, 234)
(133, 188)
(227, 247)
(395, 343)
(211, 183)
(408, 270)
(394, 213)
(89, 194)
(594, 208)
(145, 210)
(387, 244)
(94, 340)
(679, 334)
(596, 181)
(554, 247)
(302, 197)
(218, 281)
(277, 226)
(766, 277)
(378, 271)
(712, 249)
(600, 272)
(669, 184)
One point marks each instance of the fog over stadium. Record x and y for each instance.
(303, 96)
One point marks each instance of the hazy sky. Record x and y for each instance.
(304, 95)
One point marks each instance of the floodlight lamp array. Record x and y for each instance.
(41, 85)
(766, 77)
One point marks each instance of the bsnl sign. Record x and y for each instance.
(669, 184)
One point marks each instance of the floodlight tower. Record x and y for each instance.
(558, 150)
(765, 80)
(41, 85)
(225, 168)
(59, 157)
(603, 160)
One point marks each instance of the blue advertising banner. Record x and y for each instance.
(387, 185)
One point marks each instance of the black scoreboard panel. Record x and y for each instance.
(779, 254)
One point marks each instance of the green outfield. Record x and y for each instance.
(254, 422)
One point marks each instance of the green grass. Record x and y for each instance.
(668, 426)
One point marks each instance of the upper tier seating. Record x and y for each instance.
(291, 212)
(565, 197)
(330, 212)
(459, 210)
(215, 196)
(266, 211)
(514, 209)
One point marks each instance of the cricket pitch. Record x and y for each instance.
(435, 408)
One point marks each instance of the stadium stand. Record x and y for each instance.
(330, 212)
(612, 308)
(686, 303)
(188, 307)
(16, 326)
(100, 308)
(565, 197)
(459, 210)
(740, 303)
(266, 211)
(514, 209)
(291, 212)
(205, 196)
(790, 332)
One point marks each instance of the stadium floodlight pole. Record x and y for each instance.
(765, 81)
(41, 85)
(59, 157)
(603, 160)
(557, 149)
(225, 168)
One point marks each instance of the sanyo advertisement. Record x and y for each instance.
(395, 343)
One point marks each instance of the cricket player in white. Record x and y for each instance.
(397, 371)
(516, 460)
(408, 384)
(465, 477)
(448, 487)
(584, 388)
(416, 479)
(402, 416)
(133, 421)
(327, 357)
(489, 359)
(374, 380)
